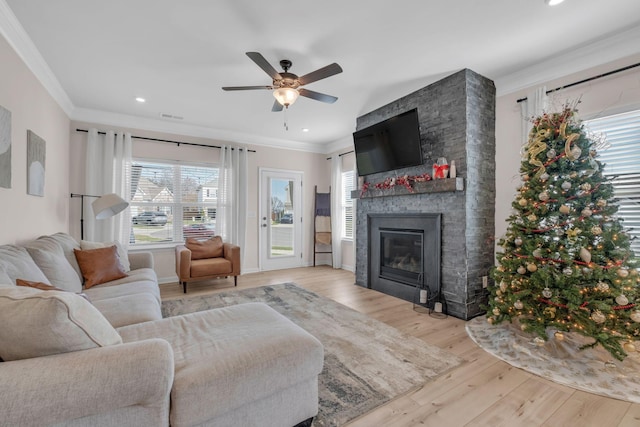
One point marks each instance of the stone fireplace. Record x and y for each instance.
(457, 121)
(404, 252)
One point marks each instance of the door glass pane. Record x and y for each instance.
(282, 217)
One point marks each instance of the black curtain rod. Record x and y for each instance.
(343, 154)
(619, 70)
(169, 141)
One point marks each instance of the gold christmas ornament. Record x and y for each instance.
(596, 231)
(566, 185)
(518, 305)
(635, 316)
(523, 327)
(576, 152)
(633, 272)
(551, 154)
(499, 292)
(544, 196)
(491, 320)
(601, 203)
(538, 341)
(544, 176)
(518, 241)
(532, 267)
(532, 217)
(547, 293)
(586, 212)
(629, 347)
(565, 209)
(503, 286)
(537, 253)
(585, 255)
(586, 186)
(602, 287)
(522, 202)
(559, 336)
(573, 175)
(521, 270)
(496, 311)
(623, 272)
(622, 299)
(598, 317)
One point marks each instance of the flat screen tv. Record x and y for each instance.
(389, 145)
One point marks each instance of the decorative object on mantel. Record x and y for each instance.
(452, 169)
(440, 168)
(405, 181)
(417, 186)
(5, 148)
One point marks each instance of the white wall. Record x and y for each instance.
(24, 217)
(602, 97)
(312, 165)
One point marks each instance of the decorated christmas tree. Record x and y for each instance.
(566, 263)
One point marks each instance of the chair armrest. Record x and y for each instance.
(183, 262)
(140, 260)
(232, 253)
(53, 389)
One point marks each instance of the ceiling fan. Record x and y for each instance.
(286, 86)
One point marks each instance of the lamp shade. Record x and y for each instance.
(108, 205)
(286, 95)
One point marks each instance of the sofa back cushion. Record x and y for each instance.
(68, 244)
(4, 277)
(201, 249)
(16, 263)
(123, 257)
(40, 323)
(49, 256)
(99, 265)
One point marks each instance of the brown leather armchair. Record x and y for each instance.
(201, 260)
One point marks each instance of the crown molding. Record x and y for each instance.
(339, 145)
(617, 46)
(156, 125)
(19, 40)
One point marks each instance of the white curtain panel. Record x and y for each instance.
(231, 213)
(536, 104)
(108, 170)
(336, 210)
(355, 216)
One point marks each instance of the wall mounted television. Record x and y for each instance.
(389, 145)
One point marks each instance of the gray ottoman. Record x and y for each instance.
(243, 365)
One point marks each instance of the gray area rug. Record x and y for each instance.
(367, 362)
(592, 370)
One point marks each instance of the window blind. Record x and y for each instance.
(622, 162)
(347, 204)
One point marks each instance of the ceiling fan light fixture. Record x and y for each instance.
(553, 2)
(286, 95)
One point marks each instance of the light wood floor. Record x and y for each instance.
(483, 391)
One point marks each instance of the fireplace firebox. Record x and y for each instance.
(404, 253)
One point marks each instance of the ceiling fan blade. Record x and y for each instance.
(277, 107)
(246, 87)
(320, 74)
(317, 96)
(262, 63)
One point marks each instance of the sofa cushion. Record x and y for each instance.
(129, 309)
(133, 284)
(68, 244)
(239, 354)
(49, 256)
(18, 264)
(4, 277)
(99, 265)
(39, 323)
(122, 252)
(210, 267)
(200, 249)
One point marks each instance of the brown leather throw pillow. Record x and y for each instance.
(99, 265)
(201, 249)
(37, 285)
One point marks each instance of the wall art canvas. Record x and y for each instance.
(5, 148)
(35, 164)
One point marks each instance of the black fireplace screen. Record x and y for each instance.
(401, 255)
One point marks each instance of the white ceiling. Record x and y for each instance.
(100, 55)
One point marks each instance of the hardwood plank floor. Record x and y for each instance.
(483, 391)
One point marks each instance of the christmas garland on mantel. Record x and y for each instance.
(406, 181)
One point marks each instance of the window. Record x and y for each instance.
(346, 204)
(171, 202)
(622, 161)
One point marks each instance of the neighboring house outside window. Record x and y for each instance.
(172, 201)
(622, 162)
(347, 204)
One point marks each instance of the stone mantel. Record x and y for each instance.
(426, 187)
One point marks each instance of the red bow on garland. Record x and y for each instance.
(438, 170)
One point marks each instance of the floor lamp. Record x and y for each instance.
(103, 207)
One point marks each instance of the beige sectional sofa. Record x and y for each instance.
(114, 361)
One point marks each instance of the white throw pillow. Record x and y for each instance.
(18, 264)
(49, 256)
(122, 252)
(39, 323)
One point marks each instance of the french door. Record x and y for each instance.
(280, 219)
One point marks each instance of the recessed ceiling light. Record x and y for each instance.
(141, 100)
(305, 130)
(553, 2)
